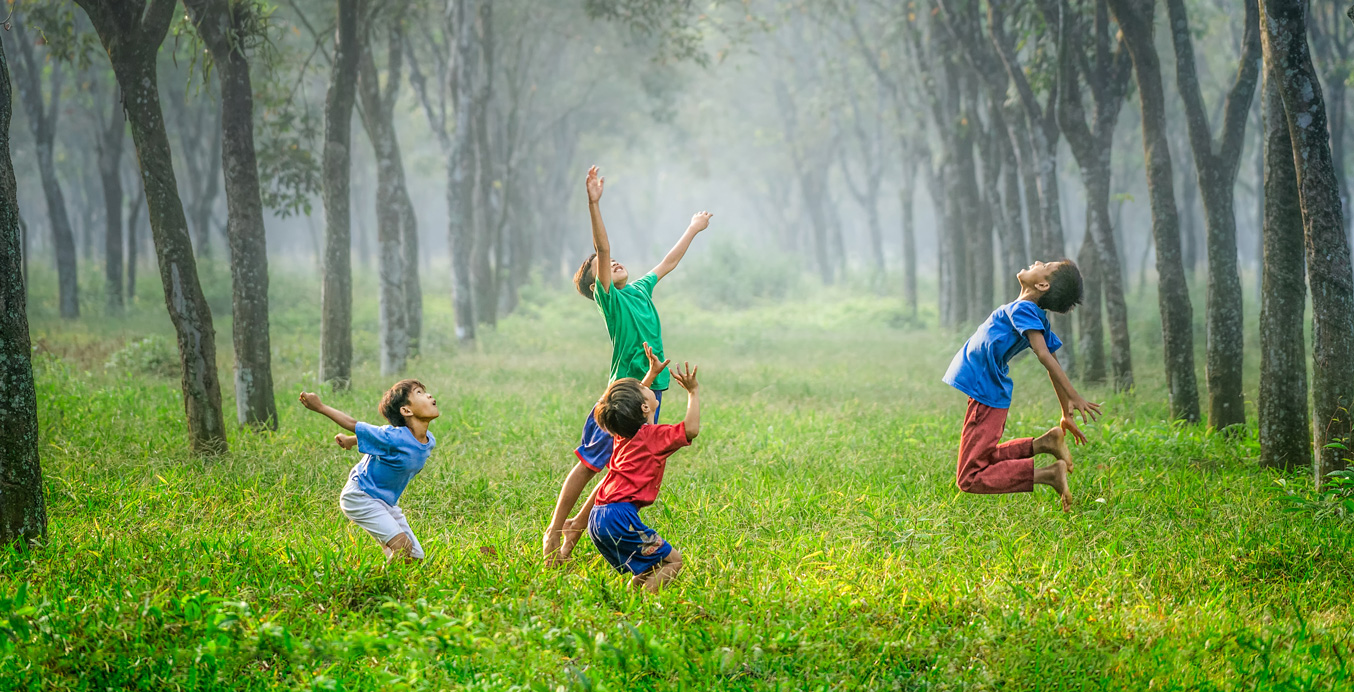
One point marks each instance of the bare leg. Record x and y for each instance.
(1055, 476)
(1054, 442)
(569, 493)
(401, 548)
(661, 574)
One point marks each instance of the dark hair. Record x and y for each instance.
(621, 410)
(398, 396)
(585, 278)
(1064, 287)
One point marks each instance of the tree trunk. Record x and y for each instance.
(1285, 432)
(485, 257)
(1014, 252)
(1091, 332)
(110, 171)
(132, 34)
(413, 289)
(461, 166)
(1135, 21)
(336, 316)
(378, 120)
(23, 513)
(133, 243)
(1217, 163)
(909, 238)
(1328, 262)
(42, 116)
(245, 234)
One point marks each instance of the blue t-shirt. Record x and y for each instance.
(391, 457)
(980, 370)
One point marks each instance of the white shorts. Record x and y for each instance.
(381, 520)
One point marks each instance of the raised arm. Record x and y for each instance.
(312, 401)
(699, 222)
(1068, 398)
(687, 379)
(600, 243)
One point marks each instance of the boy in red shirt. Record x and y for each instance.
(642, 447)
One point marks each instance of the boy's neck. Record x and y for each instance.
(419, 428)
(1031, 294)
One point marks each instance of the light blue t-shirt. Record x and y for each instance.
(392, 456)
(980, 369)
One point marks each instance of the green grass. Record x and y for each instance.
(826, 544)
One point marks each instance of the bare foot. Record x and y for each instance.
(1058, 482)
(1054, 442)
(550, 548)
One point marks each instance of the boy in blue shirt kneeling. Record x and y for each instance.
(391, 456)
(980, 370)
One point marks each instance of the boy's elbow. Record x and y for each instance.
(692, 431)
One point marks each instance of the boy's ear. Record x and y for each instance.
(406, 411)
(1042, 286)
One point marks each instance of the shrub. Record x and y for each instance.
(732, 276)
(153, 355)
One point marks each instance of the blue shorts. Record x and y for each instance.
(626, 543)
(594, 450)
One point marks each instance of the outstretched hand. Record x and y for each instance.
(1070, 426)
(1089, 411)
(700, 221)
(686, 377)
(595, 184)
(346, 441)
(311, 400)
(655, 366)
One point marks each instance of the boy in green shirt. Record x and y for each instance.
(632, 323)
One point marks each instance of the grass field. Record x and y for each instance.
(826, 544)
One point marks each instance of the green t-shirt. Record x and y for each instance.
(632, 321)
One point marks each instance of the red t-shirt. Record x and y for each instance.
(637, 464)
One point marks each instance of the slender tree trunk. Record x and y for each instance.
(413, 289)
(205, 202)
(245, 234)
(23, 513)
(42, 118)
(380, 127)
(132, 33)
(23, 232)
(1285, 427)
(110, 171)
(1111, 278)
(336, 317)
(484, 269)
(1091, 332)
(461, 166)
(1014, 252)
(133, 234)
(909, 239)
(1135, 21)
(1217, 163)
(1328, 261)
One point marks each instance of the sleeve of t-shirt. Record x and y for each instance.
(374, 440)
(670, 438)
(646, 283)
(1026, 316)
(604, 298)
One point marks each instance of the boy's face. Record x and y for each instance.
(1036, 275)
(421, 405)
(618, 274)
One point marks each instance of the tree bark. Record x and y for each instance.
(1093, 147)
(132, 33)
(1015, 253)
(461, 165)
(42, 116)
(1135, 21)
(1285, 426)
(1216, 163)
(222, 26)
(1091, 331)
(378, 118)
(1328, 262)
(909, 238)
(133, 242)
(23, 512)
(336, 297)
(110, 172)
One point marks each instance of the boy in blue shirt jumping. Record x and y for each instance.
(980, 370)
(391, 456)
(632, 323)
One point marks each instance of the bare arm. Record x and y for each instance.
(312, 401)
(699, 222)
(687, 379)
(600, 244)
(655, 367)
(1068, 398)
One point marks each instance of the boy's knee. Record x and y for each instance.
(965, 483)
(673, 560)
